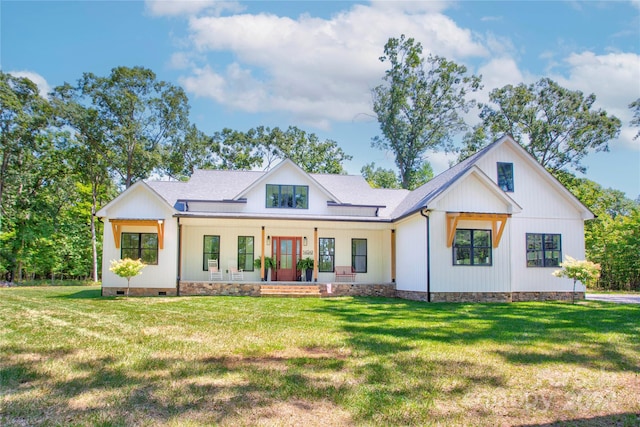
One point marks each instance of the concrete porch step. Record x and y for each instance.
(290, 290)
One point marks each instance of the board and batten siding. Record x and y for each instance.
(470, 194)
(228, 230)
(546, 208)
(541, 278)
(539, 195)
(411, 254)
(141, 203)
(448, 277)
(378, 252)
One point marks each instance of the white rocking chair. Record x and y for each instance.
(235, 273)
(214, 271)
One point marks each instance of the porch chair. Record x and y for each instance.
(214, 271)
(235, 273)
(345, 273)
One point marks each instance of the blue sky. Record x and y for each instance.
(312, 64)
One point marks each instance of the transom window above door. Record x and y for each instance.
(287, 196)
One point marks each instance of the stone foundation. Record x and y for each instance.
(387, 290)
(470, 296)
(489, 296)
(546, 296)
(412, 295)
(238, 289)
(138, 292)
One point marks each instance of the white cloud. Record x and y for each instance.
(495, 73)
(412, 6)
(205, 82)
(316, 69)
(41, 82)
(499, 72)
(615, 80)
(181, 61)
(190, 7)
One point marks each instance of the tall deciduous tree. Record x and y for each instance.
(246, 150)
(612, 239)
(559, 127)
(24, 117)
(379, 177)
(185, 155)
(305, 149)
(29, 172)
(387, 178)
(420, 105)
(141, 115)
(635, 121)
(90, 155)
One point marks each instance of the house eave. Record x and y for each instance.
(276, 217)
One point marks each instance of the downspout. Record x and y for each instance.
(179, 257)
(425, 213)
(102, 262)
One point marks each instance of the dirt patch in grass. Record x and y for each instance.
(294, 412)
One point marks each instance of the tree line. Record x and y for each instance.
(65, 155)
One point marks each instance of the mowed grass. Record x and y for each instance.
(70, 357)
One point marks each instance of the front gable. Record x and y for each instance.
(137, 208)
(139, 201)
(286, 190)
(474, 191)
(538, 192)
(474, 199)
(290, 174)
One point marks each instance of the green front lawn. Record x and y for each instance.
(70, 357)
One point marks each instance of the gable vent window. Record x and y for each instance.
(505, 176)
(287, 196)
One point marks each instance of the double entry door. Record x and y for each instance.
(286, 252)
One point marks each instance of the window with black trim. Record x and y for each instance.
(211, 250)
(359, 255)
(142, 246)
(245, 252)
(544, 250)
(505, 176)
(472, 247)
(287, 196)
(326, 256)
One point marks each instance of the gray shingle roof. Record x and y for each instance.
(421, 196)
(218, 185)
(211, 185)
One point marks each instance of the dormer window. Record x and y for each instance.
(505, 176)
(287, 196)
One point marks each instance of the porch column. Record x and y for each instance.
(262, 256)
(315, 254)
(393, 256)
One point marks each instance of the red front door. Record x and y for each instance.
(286, 251)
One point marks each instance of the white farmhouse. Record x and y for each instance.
(492, 228)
